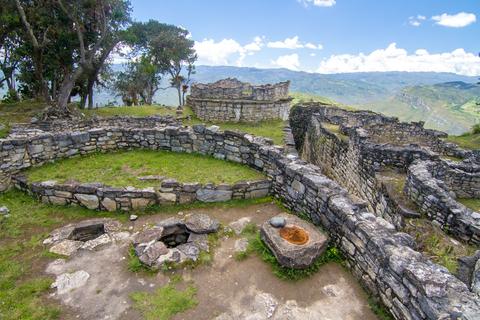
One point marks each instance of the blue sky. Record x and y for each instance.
(328, 36)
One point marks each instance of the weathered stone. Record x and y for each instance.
(133, 217)
(97, 242)
(67, 282)
(66, 247)
(292, 255)
(151, 252)
(166, 197)
(140, 203)
(149, 235)
(241, 245)
(4, 210)
(190, 250)
(212, 195)
(278, 222)
(200, 240)
(239, 225)
(201, 223)
(109, 204)
(89, 201)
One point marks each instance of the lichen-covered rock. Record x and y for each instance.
(66, 247)
(67, 282)
(293, 255)
(201, 223)
(240, 224)
(88, 200)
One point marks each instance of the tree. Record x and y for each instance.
(138, 83)
(173, 51)
(36, 33)
(167, 49)
(9, 43)
(84, 35)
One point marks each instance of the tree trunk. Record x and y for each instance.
(67, 87)
(179, 90)
(90, 94)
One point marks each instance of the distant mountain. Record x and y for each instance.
(348, 88)
(453, 107)
(445, 101)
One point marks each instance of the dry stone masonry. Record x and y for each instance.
(230, 100)
(356, 148)
(382, 259)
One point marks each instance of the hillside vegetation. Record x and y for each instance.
(453, 107)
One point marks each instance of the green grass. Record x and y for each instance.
(335, 129)
(332, 254)
(466, 141)
(436, 244)
(19, 112)
(380, 311)
(22, 255)
(138, 111)
(165, 302)
(120, 169)
(269, 129)
(473, 204)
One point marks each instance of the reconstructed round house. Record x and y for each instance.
(231, 100)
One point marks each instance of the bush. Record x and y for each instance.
(476, 129)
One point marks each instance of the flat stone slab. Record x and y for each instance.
(296, 256)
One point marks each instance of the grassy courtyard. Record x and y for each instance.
(120, 169)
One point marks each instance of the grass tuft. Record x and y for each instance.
(165, 302)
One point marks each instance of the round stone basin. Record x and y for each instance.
(297, 245)
(294, 234)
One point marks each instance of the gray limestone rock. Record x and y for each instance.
(278, 222)
(88, 200)
(240, 224)
(293, 255)
(201, 223)
(67, 282)
(212, 195)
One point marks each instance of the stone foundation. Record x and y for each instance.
(96, 196)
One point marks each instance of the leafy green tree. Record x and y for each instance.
(168, 50)
(79, 33)
(174, 52)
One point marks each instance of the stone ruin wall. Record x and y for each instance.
(357, 161)
(382, 259)
(228, 89)
(233, 101)
(434, 198)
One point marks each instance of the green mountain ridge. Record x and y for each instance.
(453, 107)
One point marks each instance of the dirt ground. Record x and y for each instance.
(227, 289)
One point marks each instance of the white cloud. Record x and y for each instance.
(226, 51)
(318, 3)
(458, 20)
(397, 59)
(416, 21)
(293, 43)
(288, 43)
(313, 54)
(312, 46)
(288, 61)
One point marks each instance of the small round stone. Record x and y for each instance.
(133, 217)
(278, 222)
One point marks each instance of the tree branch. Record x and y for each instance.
(27, 25)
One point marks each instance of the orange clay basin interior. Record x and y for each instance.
(294, 234)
